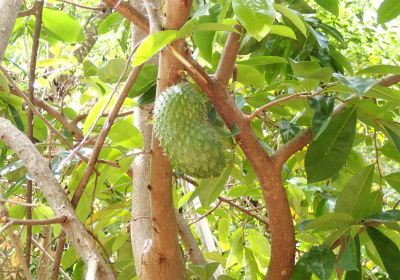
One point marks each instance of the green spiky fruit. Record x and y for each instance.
(190, 142)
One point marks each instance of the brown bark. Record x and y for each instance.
(141, 215)
(163, 259)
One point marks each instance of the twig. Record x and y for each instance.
(19, 203)
(44, 251)
(6, 226)
(31, 90)
(101, 8)
(244, 210)
(198, 219)
(50, 221)
(15, 241)
(103, 134)
(377, 159)
(130, 13)
(84, 116)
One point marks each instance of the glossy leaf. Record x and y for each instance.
(111, 70)
(152, 44)
(263, 60)
(283, 30)
(349, 258)
(293, 16)
(321, 261)
(4, 88)
(109, 23)
(385, 217)
(63, 26)
(361, 85)
(388, 252)
(302, 271)
(357, 273)
(330, 221)
(388, 10)
(353, 197)
(323, 108)
(326, 155)
(256, 16)
(331, 6)
(380, 69)
(249, 75)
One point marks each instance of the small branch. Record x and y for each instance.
(304, 138)
(15, 241)
(50, 221)
(228, 58)
(189, 241)
(6, 226)
(103, 135)
(101, 7)
(130, 13)
(84, 116)
(273, 103)
(37, 244)
(19, 203)
(244, 210)
(206, 214)
(31, 90)
(26, 13)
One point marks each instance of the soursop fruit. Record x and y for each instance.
(190, 142)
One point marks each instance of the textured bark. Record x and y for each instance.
(163, 257)
(9, 12)
(141, 215)
(55, 196)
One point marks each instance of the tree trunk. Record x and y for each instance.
(9, 12)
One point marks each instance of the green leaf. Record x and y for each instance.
(330, 221)
(303, 68)
(209, 189)
(352, 199)
(223, 233)
(146, 79)
(111, 70)
(341, 60)
(283, 30)
(204, 271)
(331, 6)
(349, 258)
(249, 75)
(263, 60)
(293, 16)
(109, 23)
(356, 274)
(380, 69)
(361, 85)
(257, 17)
(63, 26)
(388, 252)
(326, 155)
(394, 180)
(89, 68)
(288, 130)
(321, 261)
(236, 253)
(323, 108)
(385, 217)
(4, 88)
(393, 136)
(124, 133)
(388, 10)
(388, 94)
(302, 271)
(259, 245)
(152, 44)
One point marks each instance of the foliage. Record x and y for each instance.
(343, 189)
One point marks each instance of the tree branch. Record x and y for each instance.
(130, 13)
(55, 195)
(228, 58)
(305, 137)
(103, 135)
(50, 221)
